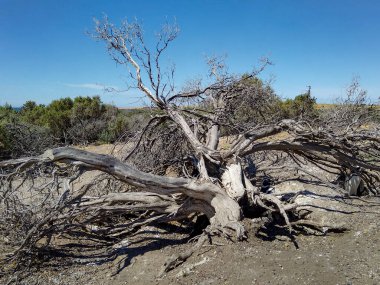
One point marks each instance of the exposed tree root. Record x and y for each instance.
(41, 199)
(323, 228)
(277, 202)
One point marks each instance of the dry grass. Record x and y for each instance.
(324, 106)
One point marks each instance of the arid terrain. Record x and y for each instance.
(269, 256)
(243, 154)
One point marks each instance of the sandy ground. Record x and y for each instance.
(352, 257)
(269, 256)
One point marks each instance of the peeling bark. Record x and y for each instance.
(232, 179)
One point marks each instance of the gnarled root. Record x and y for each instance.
(281, 208)
(227, 218)
(323, 228)
(272, 204)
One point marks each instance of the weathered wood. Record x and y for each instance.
(232, 179)
(205, 191)
(218, 184)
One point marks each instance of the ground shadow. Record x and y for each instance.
(70, 251)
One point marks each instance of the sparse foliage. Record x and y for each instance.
(352, 111)
(213, 179)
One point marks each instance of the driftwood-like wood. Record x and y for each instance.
(218, 186)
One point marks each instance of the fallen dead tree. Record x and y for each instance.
(213, 180)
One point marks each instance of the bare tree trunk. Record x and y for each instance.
(232, 179)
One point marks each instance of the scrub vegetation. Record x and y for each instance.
(202, 159)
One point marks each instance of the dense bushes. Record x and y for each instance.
(83, 120)
(302, 106)
(80, 121)
(19, 139)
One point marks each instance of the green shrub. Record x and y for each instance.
(34, 114)
(20, 139)
(302, 106)
(82, 120)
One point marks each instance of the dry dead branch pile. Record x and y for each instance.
(42, 197)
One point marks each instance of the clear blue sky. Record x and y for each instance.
(45, 53)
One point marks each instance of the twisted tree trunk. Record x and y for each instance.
(220, 189)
